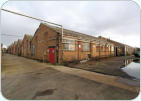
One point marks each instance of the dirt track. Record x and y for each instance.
(24, 78)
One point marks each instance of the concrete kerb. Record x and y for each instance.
(101, 78)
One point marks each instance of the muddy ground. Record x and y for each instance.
(109, 66)
(24, 79)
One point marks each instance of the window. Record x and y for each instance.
(28, 46)
(68, 44)
(33, 50)
(106, 48)
(126, 48)
(112, 48)
(109, 48)
(86, 46)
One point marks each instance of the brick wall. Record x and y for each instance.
(79, 54)
(44, 37)
(19, 48)
(25, 47)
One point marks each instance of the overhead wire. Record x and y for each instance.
(11, 35)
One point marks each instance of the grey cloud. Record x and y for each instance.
(108, 18)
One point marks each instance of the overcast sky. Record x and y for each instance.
(117, 20)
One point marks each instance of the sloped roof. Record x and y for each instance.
(15, 42)
(78, 35)
(120, 44)
(29, 36)
(20, 40)
(116, 43)
(112, 41)
(67, 32)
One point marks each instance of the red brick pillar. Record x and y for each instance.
(79, 49)
(92, 49)
(60, 50)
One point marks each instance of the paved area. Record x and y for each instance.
(129, 84)
(24, 78)
(109, 66)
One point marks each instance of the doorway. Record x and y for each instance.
(52, 55)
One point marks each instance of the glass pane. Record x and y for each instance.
(86, 46)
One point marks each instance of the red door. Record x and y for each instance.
(52, 55)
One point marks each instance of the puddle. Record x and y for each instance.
(44, 93)
(38, 73)
(76, 97)
(132, 68)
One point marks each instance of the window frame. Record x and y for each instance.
(68, 43)
(33, 50)
(112, 49)
(85, 46)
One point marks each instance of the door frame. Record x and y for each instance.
(55, 52)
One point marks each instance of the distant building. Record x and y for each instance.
(15, 48)
(119, 48)
(19, 47)
(26, 46)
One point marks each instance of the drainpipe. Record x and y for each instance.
(99, 49)
(110, 51)
(62, 43)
